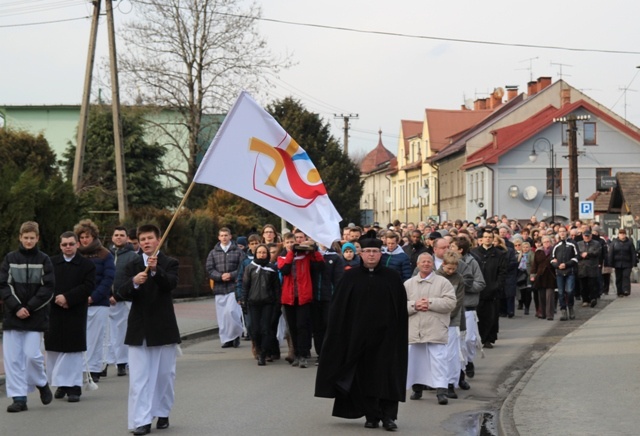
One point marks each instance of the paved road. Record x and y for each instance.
(222, 392)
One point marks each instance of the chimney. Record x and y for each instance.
(512, 92)
(496, 98)
(565, 97)
(480, 104)
(543, 82)
(532, 88)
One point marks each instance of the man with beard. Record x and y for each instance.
(493, 265)
(364, 356)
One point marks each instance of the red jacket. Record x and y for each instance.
(302, 276)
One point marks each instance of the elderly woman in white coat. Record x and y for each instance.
(430, 300)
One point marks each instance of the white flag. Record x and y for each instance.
(253, 157)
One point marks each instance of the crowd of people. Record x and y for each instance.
(94, 307)
(386, 310)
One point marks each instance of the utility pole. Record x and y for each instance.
(346, 129)
(121, 184)
(81, 141)
(574, 193)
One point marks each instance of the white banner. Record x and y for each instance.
(253, 157)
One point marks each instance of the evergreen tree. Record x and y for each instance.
(143, 164)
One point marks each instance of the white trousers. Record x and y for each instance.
(427, 365)
(229, 314)
(472, 338)
(454, 356)
(152, 375)
(97, 317)
(23, 362)
(65, 369)
(117, 351)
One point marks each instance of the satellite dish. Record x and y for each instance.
(468, 103)
(529, 193)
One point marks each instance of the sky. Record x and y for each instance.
(380, 77)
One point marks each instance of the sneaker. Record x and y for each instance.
(296, 362)
(303, 362)
(17, 406)
(45, 394)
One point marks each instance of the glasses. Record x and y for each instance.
(371, 251)
(268, 231)
(67, 244)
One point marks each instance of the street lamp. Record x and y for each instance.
(552, 161)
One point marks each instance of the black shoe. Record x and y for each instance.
(372, 423)
(441, 394)
(594, 302)
(45, 394)
(104, 371)
(464, 385)
(236, 342)
(143, 429)
(60, 393)
(17, 406)
(227, 344)
(389, 425)
(162, 423)
(520, 305)
(73, 398)
(451, 392)
(416, 395)
(470, 370)
(261, 361)
(488, 345)
(95, 376)
(122, 369)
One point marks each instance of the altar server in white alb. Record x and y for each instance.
(123, 253)
(26, 288)
(152, 333)
(223, 264)
(430, 300)
(66, 339)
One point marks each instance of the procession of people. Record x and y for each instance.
(389, 312)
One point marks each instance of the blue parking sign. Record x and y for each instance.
(586, 210)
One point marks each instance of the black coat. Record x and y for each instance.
(622, 254)
(366, 342)
(68, 327)
(493, 264)
(152, 317)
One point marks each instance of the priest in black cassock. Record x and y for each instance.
(364, 356)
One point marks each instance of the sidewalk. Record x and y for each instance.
(587, 383)
(196, 319)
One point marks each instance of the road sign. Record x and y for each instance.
(586, 210)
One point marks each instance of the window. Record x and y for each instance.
(565, 133)
(589, 133)
(600, 173)
(557, 181)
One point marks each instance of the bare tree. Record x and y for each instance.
(191, 58)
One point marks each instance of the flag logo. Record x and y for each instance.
(285, 172)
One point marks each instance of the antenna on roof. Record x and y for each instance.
(560, 69)
(530, 60)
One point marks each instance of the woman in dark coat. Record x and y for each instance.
(544, 279)
(622, 256)
(66, 339)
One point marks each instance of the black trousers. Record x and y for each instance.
(319, 317)
(487, 315)
(299, 321)
(623, 281)
(261, 316)
(589, 288)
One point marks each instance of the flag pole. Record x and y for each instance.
(173, 219)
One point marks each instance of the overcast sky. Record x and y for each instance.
(381, 78)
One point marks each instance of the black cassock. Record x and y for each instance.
(364, 356)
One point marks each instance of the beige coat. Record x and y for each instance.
(430, 326)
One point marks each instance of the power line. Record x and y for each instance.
(43, 22)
